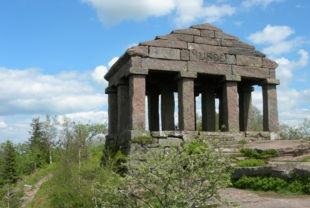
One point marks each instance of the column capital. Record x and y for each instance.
(269, 81)
(110, 90)
(232, 78)
(138, 71)
(187, 74)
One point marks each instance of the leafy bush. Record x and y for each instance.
(185, 176)
(298, 132)
(273, 184)
(259, 154)
(251, 163)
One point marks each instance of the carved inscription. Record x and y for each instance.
(209, 57)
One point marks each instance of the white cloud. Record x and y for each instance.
(271, 34)
(286, 68)
(85, 117)
(30, 91)
(184, 11)
(111, 12)
(98, 74)
(276, 39)
(3, 125)
(264, 3)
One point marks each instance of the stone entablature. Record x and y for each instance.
(199, 60)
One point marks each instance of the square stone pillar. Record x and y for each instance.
(186, 99)
(167, 109)
(112, 110)
(153, 110)
(122, 107)
(208, 109)
(245, 100)
(137, 101)
(231, 104)
(270, 106)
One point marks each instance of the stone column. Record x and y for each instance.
(231, 103)
(186, 104)
(153, 111)
(245, 97)
(208, 109)
(167, 110)
(112, 109)
(137, 101)
(122, 107)
(270, 106)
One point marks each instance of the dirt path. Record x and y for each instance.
(31, 192)
(250, 199)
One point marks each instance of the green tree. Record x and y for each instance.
(9, 163)
(38, 143)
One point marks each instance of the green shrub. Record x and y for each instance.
(184, 176)
(300, 186)
(259, 154)
(251, 163)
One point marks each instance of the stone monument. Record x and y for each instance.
(201, 60)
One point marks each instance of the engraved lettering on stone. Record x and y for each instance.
(208, 56)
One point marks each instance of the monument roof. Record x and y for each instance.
(198, 43)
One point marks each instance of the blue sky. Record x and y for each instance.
(53, 54)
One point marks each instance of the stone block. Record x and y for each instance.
(245, 51)
(166, 43)
(190, 31)
(269, 63)
(208, 33)
(206, 26)
(164, 53)
(138, 51)
(184, 55)
(209, 68)
(231, 59)
(208, 48)
(167, 65)
(249, 61)
(182, 37)
(219, 34)
(272, 73)
(207, 41)
(247, 71)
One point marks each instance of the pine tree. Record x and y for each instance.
(9, 163)
(38, 143)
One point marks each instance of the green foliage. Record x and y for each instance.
(251, 163)
(9, 165)
(255, 119)
(186, 176)
(299, 132)
(298, 185)
(143, 140)
(259, 154)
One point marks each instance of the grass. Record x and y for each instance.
(251, 163)
(42, 198)
(39, 174)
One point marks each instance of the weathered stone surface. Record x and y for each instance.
(183, 37)
(208, 48)
(164, 53)
(123, 119)
(112, 111)
(186, 104)
(231, 59)
(169, 142)
(285, 171)
(270, 108)
(245, 51)
(219, 34)
(236, 43)
(208, 33)
(167, 65)
(272, 73)
(137, 102)
(166, 43)
(184, 55)
(249, 61)
(206, 27)
(269, 63)
(247, 71)
(138, 51)
(209, 68)
(207, 41)
(231, 106)
(190, 31)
